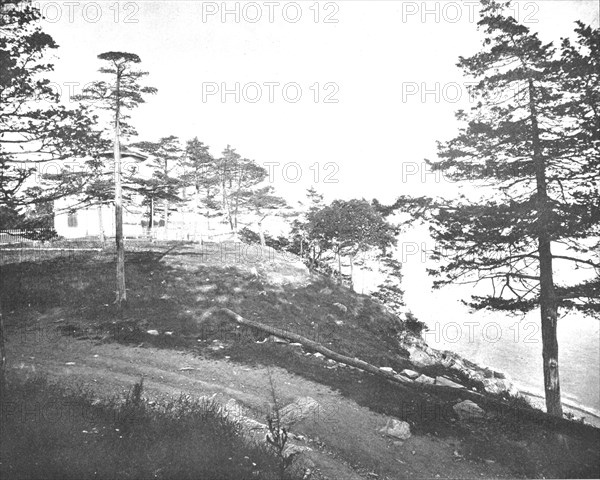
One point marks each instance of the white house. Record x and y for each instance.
(71, 221)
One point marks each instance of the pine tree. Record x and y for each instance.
(164, 185)
(35, 128)
(200, 172)
(529, 152)
(238, 178)
(121, 93)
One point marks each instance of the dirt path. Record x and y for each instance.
(343, 436)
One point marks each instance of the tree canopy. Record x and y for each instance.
(35, 127)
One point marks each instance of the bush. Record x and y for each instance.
(122, 438)
(413, 325)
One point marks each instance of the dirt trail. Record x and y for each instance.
(344, 436)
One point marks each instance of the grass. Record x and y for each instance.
(169, 294)
(48, 432)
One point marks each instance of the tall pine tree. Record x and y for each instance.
(121, 93)
(529, 150)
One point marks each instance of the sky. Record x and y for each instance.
(353, 97)
(348, 96)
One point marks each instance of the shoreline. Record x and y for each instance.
(537, 400)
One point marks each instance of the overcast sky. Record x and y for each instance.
(341, 84)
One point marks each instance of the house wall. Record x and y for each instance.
(84, 222)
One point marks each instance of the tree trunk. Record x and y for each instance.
(101, 235)
(339, 267)
(166, 219)
(198, 215)
(548, 301)
(151, 221)
(2, 356)
(121, 291)
(351, 272)
(263, 242)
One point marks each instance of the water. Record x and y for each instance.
(509, 344)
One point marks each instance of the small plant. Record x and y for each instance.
(571, 416)
(277, 437)
(415, 326)
(133, 408)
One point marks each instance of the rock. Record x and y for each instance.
(410, 373)
(341, 307)
(419, 358)
(402, 378)
(425, 379)
(498, 385)
(299, 410)
(276, 339)
(292, 449)
(446, 382)
(468, 410)
(235, 412)
(339, 322)
(447, 361)
(387, 369)
(397, 429)
(475, 376)
(152, 332)
(318, 355)
(295, 345)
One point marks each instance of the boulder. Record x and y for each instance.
(293, 449)
(397, 429)
(276, 339)
(425, 379)
(341, 307)
(446, 382)
(299, 410)
(468, 410)
(419, 358)
(235, 412)
(410, 373)
(498, 385)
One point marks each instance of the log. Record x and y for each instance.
(501, 407)
(355, 362)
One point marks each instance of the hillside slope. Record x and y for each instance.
(59, 312)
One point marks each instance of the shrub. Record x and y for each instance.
(415, 326)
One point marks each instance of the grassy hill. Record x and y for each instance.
(171, 285)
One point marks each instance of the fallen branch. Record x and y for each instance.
(354, 362)
(499, 407)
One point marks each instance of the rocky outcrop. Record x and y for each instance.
(463, 372)
(396, 429)
(297, 411)
(468, 410)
